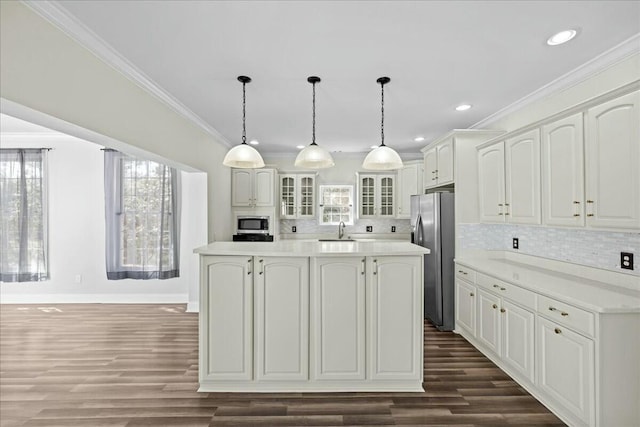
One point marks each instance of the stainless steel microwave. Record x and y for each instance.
(249, 224)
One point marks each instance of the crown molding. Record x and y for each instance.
(590, 68)
(80, 33)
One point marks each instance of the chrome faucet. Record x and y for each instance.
(341, 227)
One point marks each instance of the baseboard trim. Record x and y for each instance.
(95, 299)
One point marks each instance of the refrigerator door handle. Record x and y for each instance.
(419, 239)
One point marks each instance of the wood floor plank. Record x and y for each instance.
(136, 365)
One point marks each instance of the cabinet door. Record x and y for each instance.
(241, 187)
(386, 196)
(488, 332)
(430, 166)
(491, 183)
(522, 167)
(466, 307)
(337, 318)
(226, 318)
(565, 368)
(444, 169)
(612, 159)
(518, 339)
(282, 318)
(367, 195)
(287, 196)
(263, 187)
(409, 183)
(395, 320)
(306, 196)
(563, 172)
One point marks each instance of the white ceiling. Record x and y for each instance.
(438, 54)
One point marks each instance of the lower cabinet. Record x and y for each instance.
(395, 318)
(281, 313)
(226, 318)
(338, 317)
(581, 364)
(329, 323)
(466, 307)
(565, 363)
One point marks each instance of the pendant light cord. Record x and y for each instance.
(382, 115)
(244, 114)
(313, 115)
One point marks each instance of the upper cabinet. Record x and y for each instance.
(297, 196)
(612, 148)
(253, 187)
(438, 164)
(509, 180)
(563, 172)
(376, 194)
(409, 184)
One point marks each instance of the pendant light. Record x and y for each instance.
(243, 156)
(314, 156)
(382, 157)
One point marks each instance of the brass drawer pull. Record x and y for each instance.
(576, 214)
(557, 330)
(503, 289)
(552, 309)
(496, 286)
(564, 313)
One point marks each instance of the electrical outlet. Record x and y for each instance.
(393, 228)
(626, 260)
(293, 228)
(369, 228)
(516, 243)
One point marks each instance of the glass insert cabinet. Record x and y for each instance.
(297, 196)
(377, 195)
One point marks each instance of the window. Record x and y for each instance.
(142, 218)
(336, 204)
(23, 215)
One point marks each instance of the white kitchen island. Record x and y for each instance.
(293, 316)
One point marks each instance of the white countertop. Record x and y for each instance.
(309, 248)
(605, 295)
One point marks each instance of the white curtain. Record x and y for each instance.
(142, 218)
(23, 215)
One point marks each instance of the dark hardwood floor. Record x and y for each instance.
(137, 365)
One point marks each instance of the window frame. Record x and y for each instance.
(322, 206)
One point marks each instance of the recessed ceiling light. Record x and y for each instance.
(561, 37)
(299, 147)
(418, 138)
(254, 142)
(463, 107)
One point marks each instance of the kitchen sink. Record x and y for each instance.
(336, 240)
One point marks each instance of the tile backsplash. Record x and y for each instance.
(593, 248)
(311, 226)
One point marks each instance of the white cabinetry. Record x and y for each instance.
(466, 306)
(563, 172)
(226, 318)
(509, 180)
(394, 290)
(439, 164)
(518, 339)
(612, 162)
(253, 187)
(297, 196)
(338, 318)
(281, 313)
(376, 195)
(488, 331)
(566, 368)
(409, 184)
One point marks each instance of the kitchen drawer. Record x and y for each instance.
(566, 314)
(515, 293)
(465, 273)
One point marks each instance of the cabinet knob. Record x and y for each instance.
(494, 306)
(470, 294)
(557, 330)
(502, 310)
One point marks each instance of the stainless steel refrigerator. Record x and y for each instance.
(432, 226)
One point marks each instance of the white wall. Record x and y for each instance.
(77, 233)
(62, 83)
